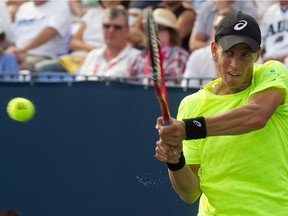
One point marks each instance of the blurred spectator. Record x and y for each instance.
(9, 212)
(88, 37)
(76, 8)
(201, 68)
(274, 32)
(200, 36)
(42, 31)
(196, 3)
(186, 16)
(174, 57)
(143, 4)
(114, 59)
(8, 62)
(262, 7)
(137, 38)
(89, 3)
(13, 6)
(6, 23)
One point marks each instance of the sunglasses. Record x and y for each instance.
(116, 27)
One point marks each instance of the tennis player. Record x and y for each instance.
(229, 145)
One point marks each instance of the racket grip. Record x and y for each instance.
(166, 122)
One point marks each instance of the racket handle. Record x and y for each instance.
(166, 122)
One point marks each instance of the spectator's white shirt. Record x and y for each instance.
(96, 65)
(274, 32)
(92, 34)
(31, 19)
(262, 6)
(200, 68)
(5, 22)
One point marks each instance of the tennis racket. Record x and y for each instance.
(156, 59)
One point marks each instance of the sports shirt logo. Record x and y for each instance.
(197, 123)
(240, 25)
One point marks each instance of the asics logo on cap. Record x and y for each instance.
(240, 25)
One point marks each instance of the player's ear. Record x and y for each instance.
(214, 50)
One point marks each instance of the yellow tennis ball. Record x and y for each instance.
(20, 109)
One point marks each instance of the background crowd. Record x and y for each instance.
(101, 38)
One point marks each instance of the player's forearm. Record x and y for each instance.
(186, 183)
(246, 118)
(238, 121)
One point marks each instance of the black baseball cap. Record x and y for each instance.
(236, 28)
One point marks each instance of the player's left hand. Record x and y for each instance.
(168, 154)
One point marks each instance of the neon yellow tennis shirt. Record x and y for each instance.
(243, 175)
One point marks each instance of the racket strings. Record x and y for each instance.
(155, 47)
(156, 59)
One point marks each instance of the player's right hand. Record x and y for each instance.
(173, 134)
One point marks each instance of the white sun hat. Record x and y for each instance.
(165, 17)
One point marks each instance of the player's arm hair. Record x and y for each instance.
(186, 183)
(247, 118)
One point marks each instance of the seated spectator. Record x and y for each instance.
(42, 31)
(196, 3)
(262, 7)
(76, 8)
(87, 37)
(6, 23)
(112, 60)
(174, 56)
(13, 6)
(201, 68)
(200, 36)
(8, 62)
(274, 32)
(186, 16)
(137, 38)
(143, 4)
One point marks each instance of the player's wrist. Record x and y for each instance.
(179, 165)
(195, 128)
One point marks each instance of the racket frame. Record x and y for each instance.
(156, 59)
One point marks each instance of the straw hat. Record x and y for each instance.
(165, 17)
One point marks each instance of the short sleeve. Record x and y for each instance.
(270, 74)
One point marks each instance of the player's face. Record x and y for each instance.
(235, 66)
